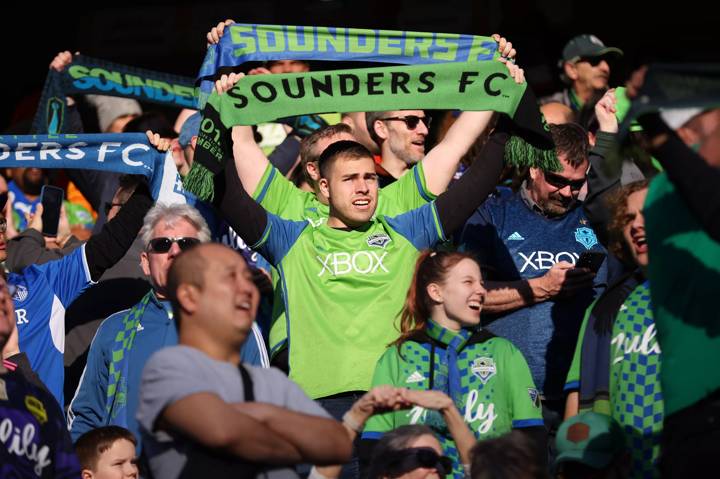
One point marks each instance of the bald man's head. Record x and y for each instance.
(211, 289)
(557, 113)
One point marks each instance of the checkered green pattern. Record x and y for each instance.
(117, 372)
(635, 394)
(504, 393)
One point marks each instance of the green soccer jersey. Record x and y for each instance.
(343, 291)
(684, 270)
(494, 390)
(636, 399)
(281, 197)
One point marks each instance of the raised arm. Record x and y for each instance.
(243, 214)
(457, 204)
(440, 164)
(107, 247)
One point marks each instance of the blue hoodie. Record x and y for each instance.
(155, 331)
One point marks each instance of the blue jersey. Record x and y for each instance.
(43, 294)
(513, 242)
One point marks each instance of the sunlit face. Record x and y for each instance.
(351, 187)
(288, 66)
(634, 230)
(117, 462)
(556, 192)
(156, 265)
(593, 73)
(228, 298)
(405, 143)
(461, 294)
(425, 440)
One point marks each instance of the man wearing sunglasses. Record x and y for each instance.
(400, 135)
(585, 68)
(528, 243)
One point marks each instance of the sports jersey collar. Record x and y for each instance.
(161, 304)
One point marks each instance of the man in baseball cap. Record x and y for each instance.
(585, 69)
(591, 445)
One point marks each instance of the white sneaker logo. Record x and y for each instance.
(415, 377)
(515, 237)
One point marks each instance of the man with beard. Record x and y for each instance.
(25, 189)
(528, 243)
(400, 135)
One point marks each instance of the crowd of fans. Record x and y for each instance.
(356, 302)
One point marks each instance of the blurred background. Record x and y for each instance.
(170, 37)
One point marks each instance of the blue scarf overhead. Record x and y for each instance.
(88, 75)
(129, 153)
(243, 42)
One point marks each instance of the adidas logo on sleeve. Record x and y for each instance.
(415, 377)
(515, 237)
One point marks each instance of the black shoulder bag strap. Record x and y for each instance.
(247, 384)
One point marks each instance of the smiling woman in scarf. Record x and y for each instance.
(443, 348)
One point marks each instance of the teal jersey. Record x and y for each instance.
(281, 197)
(635, 393)
(343, 291)
(493, 390)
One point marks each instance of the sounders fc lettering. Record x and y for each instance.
(438, 47)
(85, 78)
(46, 150)
(360, 262)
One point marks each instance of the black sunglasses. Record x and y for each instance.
(593, 61)
(407, 460)
(412, 121)
(561, 182)
(163, 245)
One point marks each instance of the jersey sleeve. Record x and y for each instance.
(386, 373)
(572, 382)
(279, 236)
(67, 276)
(278, 195)
(421, 226)
(407, 193)
(524, 396)
(87, 408)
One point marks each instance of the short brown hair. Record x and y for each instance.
(571, 139)
(307, 145)
(344, 148)
(93, 443)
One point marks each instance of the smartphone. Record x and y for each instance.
(591, 260)
(51, 198)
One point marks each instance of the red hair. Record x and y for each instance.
(431, 267)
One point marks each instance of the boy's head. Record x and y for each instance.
(107, 453)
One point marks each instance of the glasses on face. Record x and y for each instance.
(163, 244)
(412, 121)
(593, 61)
(108, 206)
(413, 458)
(560, 182)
